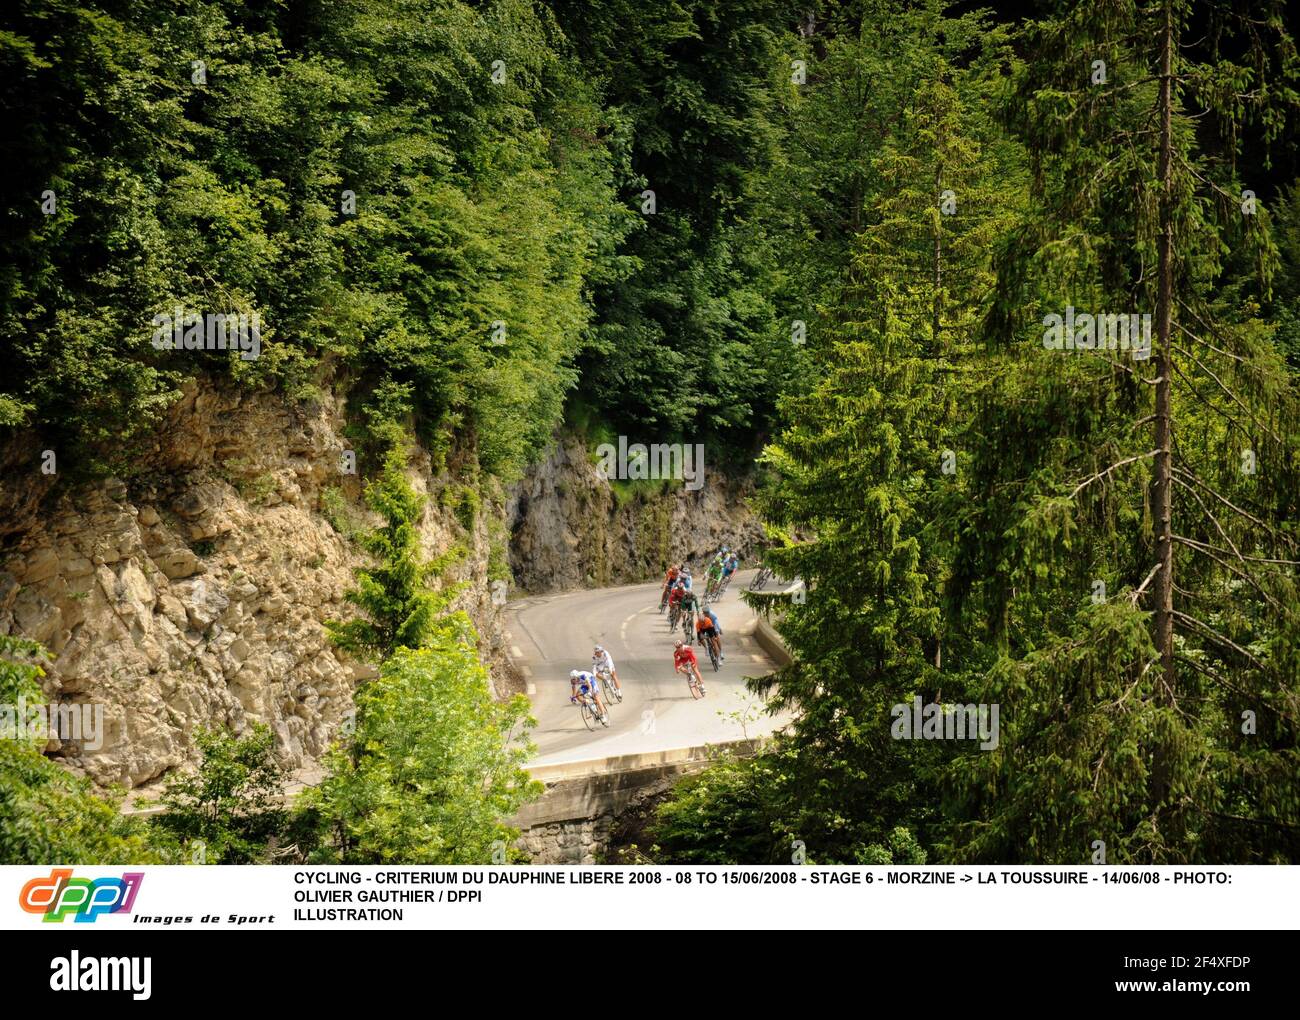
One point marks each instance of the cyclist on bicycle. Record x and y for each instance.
(585, 685)
(690, 605)
(684, 661)
(603, 662)
(708, 629)
(713, 577)
(669, 580)
(729, 566)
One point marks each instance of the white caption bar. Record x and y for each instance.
(650, 897)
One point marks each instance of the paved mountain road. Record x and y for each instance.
(552, 634)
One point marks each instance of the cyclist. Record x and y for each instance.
(713, 577)
(707, 628)
(669, 579)
(684, 661)
(729, 567)
(585, 685)
(690, 606)
(603, 662)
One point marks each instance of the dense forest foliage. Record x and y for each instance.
(1006, 306)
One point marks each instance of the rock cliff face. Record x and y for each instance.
(569, 528)
(193, 592)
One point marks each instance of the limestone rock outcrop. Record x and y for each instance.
(194, 592)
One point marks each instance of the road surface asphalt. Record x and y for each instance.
(552, 634)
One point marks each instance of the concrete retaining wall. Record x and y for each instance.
(571, 821)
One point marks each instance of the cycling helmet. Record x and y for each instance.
(598, 650)
(679, 642)
(574, 674)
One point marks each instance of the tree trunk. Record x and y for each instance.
(937, 212)
(1163, 485)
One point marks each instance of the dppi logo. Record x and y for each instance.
(85, 898)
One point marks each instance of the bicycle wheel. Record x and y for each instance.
(588, 714)
(713, 656)
(674, 615)
(611, 692)
(694, 688)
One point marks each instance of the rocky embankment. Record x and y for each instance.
(569, 528)
(194, 591)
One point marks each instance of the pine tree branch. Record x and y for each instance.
(1285, 539)
(1214, 635)
(1102, 474)
(1214, 520)
(1251, 821)
(1235, 688)
(1205, 343)
(1204, 550)
(1235, 399)
(1134, 596)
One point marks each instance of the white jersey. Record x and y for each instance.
(602, 663)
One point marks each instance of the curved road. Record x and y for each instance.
(552, 634)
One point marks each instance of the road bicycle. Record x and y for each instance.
(713, 653)
(589, 716)
(674, 615)
(694, 686)
(760, 579)
(688, 626)
(607, 685)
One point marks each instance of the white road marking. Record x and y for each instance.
(532, 690)
(622, 631)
